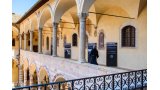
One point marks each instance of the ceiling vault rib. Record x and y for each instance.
(111, 15)
(58, 27)
(74, 23)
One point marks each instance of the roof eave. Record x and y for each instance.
(32, 10)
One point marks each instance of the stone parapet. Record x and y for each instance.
(71, 69)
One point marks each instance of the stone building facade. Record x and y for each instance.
(51, 27)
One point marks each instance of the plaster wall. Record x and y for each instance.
(128, 57)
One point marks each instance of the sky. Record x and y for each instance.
(21, 6)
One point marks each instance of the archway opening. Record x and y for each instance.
(34, 28)
(14, 73)
(43, 76)
(15, 42)
(46, 25)
(63, 86)
(33, 75)
(67, 18)
(26, 73)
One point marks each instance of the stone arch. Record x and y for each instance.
(59, 10)
(107, 7)
(88, 26)
(16, 26)
(33, 73)
(43, 75)
(58, 75)
(34, 22)
(27, 26)
(93, 17)
(34, 28)
(70, 16)
(15, 29)
(85, 6)
(21, 28)
(59, 78)
(15, 39)
(26, 63)
(45, 15)
(26, 72)
(15, 72)
(113, 11)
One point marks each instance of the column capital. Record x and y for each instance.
(40, 28)
(30, 31)
(55, 24)
(82, 15)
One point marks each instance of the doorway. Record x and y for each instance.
(111, 54)
(90, 47)
(67, 50)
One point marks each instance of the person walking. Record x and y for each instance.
(94, 55)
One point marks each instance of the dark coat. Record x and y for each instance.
(94, 55)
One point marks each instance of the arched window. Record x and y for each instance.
(74, 39)
(128, 36)
(13, 42)
(47, 42)
(65, 40)
(101, 40)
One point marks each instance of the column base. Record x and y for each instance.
(54, 55)
(82, 60)
(40, 52)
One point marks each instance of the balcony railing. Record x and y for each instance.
(120, 81)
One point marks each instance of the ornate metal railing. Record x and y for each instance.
(120, 81)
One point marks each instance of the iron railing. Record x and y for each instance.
(122, 81)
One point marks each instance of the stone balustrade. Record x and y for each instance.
(70, 69)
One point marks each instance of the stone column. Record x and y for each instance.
(31, 80)
(20, 75)
(20, 41)
(39, 82)
(31, 41)
(40, 40)
(25, 77)
(25, 41)
(82, 43)
(54, 42)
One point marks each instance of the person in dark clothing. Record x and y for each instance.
(94, 55)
